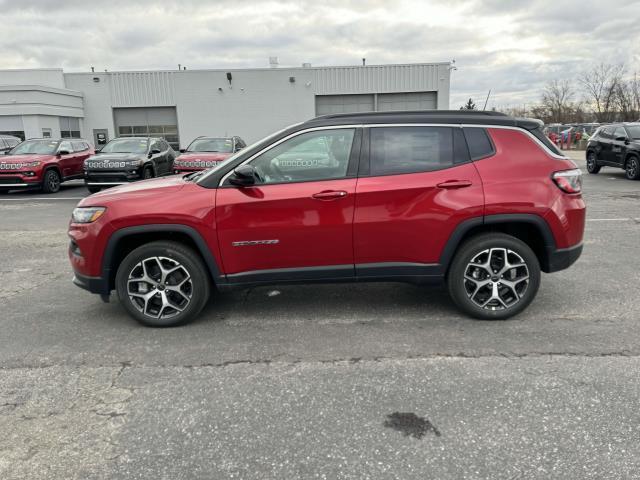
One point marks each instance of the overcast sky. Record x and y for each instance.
(512, 47)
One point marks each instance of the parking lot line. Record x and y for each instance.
(612, 219)
(40, 199)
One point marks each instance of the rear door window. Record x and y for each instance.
(399, 150)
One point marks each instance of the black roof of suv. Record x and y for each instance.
(468, 117)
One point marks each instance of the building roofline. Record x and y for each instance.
(233, 69)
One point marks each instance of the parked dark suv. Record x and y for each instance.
(127, 159)
(481, 202)
(615, 145)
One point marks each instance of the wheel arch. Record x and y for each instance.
(125, 240)
(629, 155)
(530, 228)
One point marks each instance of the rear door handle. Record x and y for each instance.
(329, 195)
(454, 184)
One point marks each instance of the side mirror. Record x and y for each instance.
(63, 152)
(238, 148)
(182, 150)
(243, 176)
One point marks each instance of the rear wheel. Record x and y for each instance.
(51, 181)
(493, 276)
(592, 162)
(163, 284)
(632, 168)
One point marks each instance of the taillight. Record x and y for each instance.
(569, 181)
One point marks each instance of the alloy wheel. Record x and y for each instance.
(496, 279)
(159, 287)
(591, 160)
(632, 168)
(53, 182)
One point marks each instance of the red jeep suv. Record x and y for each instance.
(206, 152)
(43, 163)
(480, 201)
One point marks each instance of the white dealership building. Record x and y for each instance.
(183, 104)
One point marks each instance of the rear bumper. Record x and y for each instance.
(561, 258)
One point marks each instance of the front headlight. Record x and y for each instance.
(31, 164)
(86, 214)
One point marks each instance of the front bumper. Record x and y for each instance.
(111, 177)
(561, 258)
(19, 181)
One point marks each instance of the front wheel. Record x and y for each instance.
(493, 276)
(592, 163)
(632, 168)
(51, 182)
(147, 173)
(93, 189)
(163, 284)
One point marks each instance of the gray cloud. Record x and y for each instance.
(510, 47)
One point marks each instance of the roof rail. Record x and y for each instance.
(471, 113)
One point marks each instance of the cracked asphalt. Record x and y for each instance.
(302, 384)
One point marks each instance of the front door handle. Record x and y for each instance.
(329, 195)
(454, 184)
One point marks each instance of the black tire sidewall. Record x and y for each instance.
(182, 254)
(470, 249)
(596, 168)
(147, 173)
(637, 163)
(45, 182)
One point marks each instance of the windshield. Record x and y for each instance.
(126, 145)
(223, 145)
(634, 131)
(36, 147)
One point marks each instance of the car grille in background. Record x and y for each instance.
(197, 164)
(106, 165)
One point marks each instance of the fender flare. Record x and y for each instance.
(192, 233)
(464, 227)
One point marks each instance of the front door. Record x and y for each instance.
(417, 186)
(296, 221)
(619, 146)
(67, 160)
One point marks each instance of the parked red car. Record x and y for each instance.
(480, 201)
(43, 163)
(206, 152)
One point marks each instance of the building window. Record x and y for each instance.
(69, 127)
(14, 133)
(168, 132)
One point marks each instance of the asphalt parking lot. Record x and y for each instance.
(304, 382)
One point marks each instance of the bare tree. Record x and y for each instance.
(556, 98)
(600, 85)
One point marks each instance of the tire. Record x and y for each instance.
(51, 181)
(632, 168)
(147, 173)
(592, 162)
(469, 295)
(94, 189)
(186, 287)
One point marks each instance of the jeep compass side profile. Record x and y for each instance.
(480, 201)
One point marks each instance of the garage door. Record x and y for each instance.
(343, 104)
(388, 102)
(151, 121)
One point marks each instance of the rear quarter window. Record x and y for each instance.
(479, 143)
(539, 134)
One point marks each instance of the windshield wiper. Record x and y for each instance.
(193, 176)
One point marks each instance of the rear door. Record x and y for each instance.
(81, 152)
(67, 160)
(416, 187)
(296, 221)
(604, 144)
